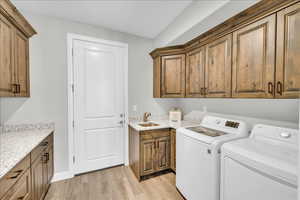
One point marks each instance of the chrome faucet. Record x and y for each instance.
(146, 116)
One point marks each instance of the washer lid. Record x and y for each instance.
(207, 131)
(270, 158)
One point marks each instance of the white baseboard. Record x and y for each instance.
(61, 176)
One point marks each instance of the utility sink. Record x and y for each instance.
(148, 124)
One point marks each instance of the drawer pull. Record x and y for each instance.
(44, 144)
(17, 173)
(45, 157)
(20, 198)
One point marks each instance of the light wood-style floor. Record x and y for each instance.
(118, 183)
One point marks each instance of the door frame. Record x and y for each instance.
(71, 139)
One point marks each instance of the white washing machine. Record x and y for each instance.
(262, 167)
(198, 156)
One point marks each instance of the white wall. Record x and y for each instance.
(199, 17)
(195, 12)
(48, 71)
(270, 109)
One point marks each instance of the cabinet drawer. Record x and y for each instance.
(46, 143)
(153, 134)
(14, 175)
(21, 190)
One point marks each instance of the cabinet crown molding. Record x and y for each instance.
(8, 10)
(255, 12)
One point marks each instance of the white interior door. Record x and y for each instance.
(98, 105)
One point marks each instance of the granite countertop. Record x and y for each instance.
(163, 124)
(14, 146)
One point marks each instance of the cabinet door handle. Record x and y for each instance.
(45, 158)
(205, 91)
(16, 175)
(158, 144)
(270, 87)
(20, 198)
(18, 88)
(201, 91)
(279, 87)
(14, 88)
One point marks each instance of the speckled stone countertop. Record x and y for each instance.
(16, 144)
(163, 124)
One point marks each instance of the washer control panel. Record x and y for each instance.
(232, 124)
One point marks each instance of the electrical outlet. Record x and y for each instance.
(134, 108)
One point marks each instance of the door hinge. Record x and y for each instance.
(73, 88)
(72, 52)
(73, 159)
(73, 124)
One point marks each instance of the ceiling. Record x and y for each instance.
(145, 18)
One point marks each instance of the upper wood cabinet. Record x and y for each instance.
(218, 68)
(254, 59)
(254, 54)
(6, 57)
(288, 53)
(173, 76)
(15, 32)
(21, 64)
(195, 66)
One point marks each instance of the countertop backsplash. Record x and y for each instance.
(7, 128)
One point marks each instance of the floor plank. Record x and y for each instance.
(118, 183)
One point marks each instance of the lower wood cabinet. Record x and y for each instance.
(31, 177)
(147, 157)
(42, 169)
(21, 190)
(37, 179)
(149, 151)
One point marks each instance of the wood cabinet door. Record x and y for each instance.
(288, 53)
(21, 190)
(173, 76)
(45, 172)
(173, 150)
(22, 64)
(37, 179)
(147, 156)
(254, 60)
(50, 167)
(218, 68)
(163, 153)
(6, 58)
(195, 65)
(157, 77)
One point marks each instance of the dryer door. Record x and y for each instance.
(240, 181)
